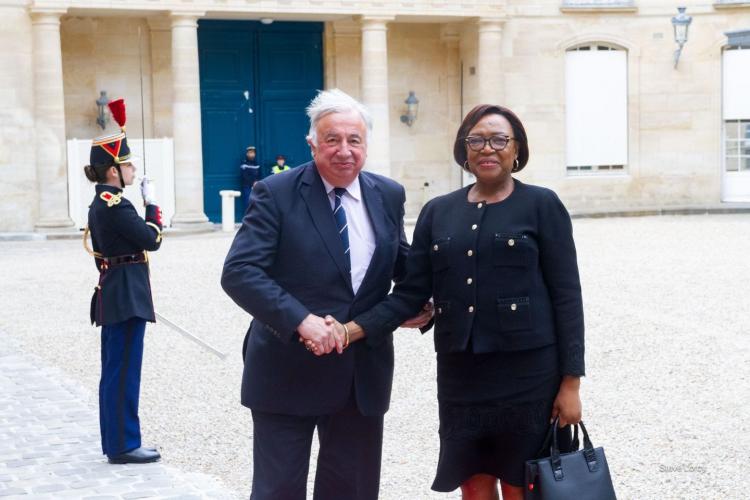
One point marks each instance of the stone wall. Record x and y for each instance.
(674, 115)
(101, 53)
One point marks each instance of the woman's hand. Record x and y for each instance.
(567, 404)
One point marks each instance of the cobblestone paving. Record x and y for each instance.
(49, 443)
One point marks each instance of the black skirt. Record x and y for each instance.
(494, 413)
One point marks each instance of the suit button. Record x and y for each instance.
(471, 309)
(511, 242)
(480, 205)
(469, 253)
(513, 307)
(435, 248)
(473, 227)
(469, 281)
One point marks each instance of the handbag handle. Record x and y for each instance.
(588, 450)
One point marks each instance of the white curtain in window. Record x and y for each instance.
(736, 84)
(596, 100)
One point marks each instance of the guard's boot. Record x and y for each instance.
(137, 456)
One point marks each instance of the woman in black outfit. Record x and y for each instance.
(498, 258)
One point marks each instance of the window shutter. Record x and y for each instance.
(596, 107)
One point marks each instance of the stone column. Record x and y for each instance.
(489, 62)
(49, 117)
(186, 123)
(160, 28)
(375, 91)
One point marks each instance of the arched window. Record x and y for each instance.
(596, 104)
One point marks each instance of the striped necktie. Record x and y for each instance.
(340, 215)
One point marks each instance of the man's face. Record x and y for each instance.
(250, 154)
(341, 148)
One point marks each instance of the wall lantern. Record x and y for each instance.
(412, 106)
(681, 23)
(101, 103)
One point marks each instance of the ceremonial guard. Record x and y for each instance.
(122, 302)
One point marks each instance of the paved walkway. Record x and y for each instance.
(49, 443)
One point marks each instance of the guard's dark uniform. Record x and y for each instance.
(122, 301)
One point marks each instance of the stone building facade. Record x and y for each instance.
(613, 123)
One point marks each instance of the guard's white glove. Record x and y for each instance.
(148, 191)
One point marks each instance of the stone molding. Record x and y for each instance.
(14, 3)
(309, 8)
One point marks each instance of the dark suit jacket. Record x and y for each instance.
(287, 261)
(505, 277)
(124, 291)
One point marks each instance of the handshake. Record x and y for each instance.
(324, 335)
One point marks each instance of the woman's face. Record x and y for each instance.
(128, 173)
(487, 164)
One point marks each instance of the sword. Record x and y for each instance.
(143, 118)
(190, 336)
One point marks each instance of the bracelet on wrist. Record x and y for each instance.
(346, 334)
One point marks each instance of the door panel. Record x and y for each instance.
(226, 71)
(291, 72)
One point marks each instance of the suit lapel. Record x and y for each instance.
(314, 194)
(373, 200)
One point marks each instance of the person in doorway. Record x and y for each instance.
(326, 237)
(499, 260)
(122, 302)
(280, 165)
(249, 174)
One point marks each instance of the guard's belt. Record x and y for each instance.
(136, 258)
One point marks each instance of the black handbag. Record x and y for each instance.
(578, 475)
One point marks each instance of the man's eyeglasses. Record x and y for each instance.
(497, 142)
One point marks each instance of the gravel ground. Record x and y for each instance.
(668, 339)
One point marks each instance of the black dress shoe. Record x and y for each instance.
(137, 456)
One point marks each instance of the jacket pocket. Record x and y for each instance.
(440, 258)
(510, 249)
(514, 314)
(442, 318)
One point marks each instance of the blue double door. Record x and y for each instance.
(256, 81)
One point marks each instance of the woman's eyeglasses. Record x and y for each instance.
(497, 142)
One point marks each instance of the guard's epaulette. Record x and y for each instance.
(111, 199)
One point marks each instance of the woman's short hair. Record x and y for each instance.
(474, 116)
(335, 101)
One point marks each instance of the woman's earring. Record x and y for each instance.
(466, 166)
(516, 166)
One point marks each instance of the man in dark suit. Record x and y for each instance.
(323, 238)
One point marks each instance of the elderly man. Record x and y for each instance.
(323, 238)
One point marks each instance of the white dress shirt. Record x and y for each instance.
(361, 235)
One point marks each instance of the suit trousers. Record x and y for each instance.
(119, 386)
(348, 461)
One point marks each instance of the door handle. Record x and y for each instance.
(247, 99)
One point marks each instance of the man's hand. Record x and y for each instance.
(421, 319)
(319, 336)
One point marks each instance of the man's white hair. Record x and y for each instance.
(335, 101)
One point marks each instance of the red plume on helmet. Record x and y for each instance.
(117, 107)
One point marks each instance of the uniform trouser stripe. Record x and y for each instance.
(119, 388)
(122, 386)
